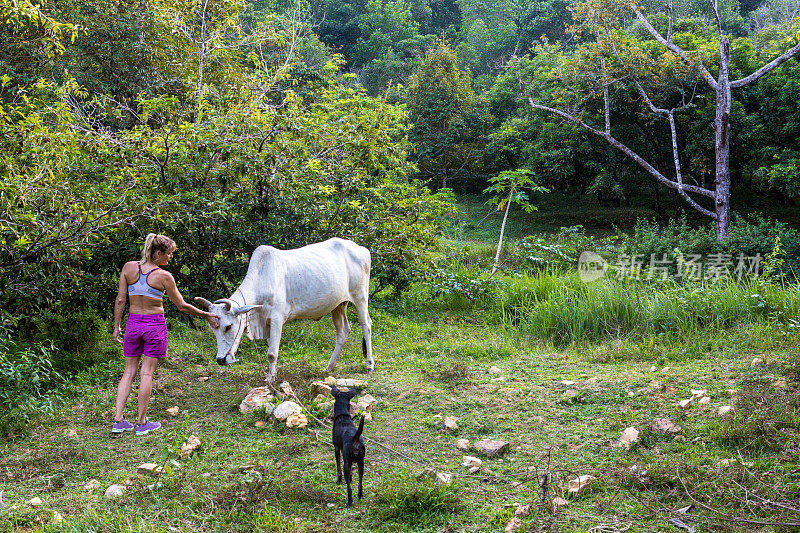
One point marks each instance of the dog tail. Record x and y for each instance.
(360, 428)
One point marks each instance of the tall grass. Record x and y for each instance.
(563, 309)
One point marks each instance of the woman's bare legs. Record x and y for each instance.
(146, 386)
(125, 384)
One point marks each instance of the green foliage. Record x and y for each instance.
(559, 252)
(72, 331)
(26, 379)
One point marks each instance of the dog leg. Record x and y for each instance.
(339, 466)
(360, 476)
(348, 477)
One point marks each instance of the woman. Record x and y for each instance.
(144, 283)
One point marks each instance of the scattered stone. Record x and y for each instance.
(320, 398)
(206, 474)
(202, 378)
(91, 485)
(35, 502)
(474, 470)
(296, 420)
(725, 463)
(514, 525)
(257, 398)
(286, 388)
(653, 368)
(321, 388)
(366, 402)
(631, 394)
(349, 382)
(71, 433)
(679, 438)
(260, 423)
(685, 404)
(192, 443)
(570, 394)
(173, 411)
(450, 423)
(494, 370)
(367, 417)
(665, 369)
(330, 381)
(115, 491)
(592, 380)
(780, 384)
(559, 503)
(725, 410)
(629, 437)
(491, 448)
(705, 400)
(57, 518)
(500, 378)
(757, 361)
(285, 409)
(523, 511)
(698, 393)
(579, 484)
(472, 462)
(444, 478)
(149, 469)
(568, 383)
(462, 444)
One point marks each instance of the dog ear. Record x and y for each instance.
(351, 393)
(334, 391)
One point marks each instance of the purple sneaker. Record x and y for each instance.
(121, 426)
(147, 427)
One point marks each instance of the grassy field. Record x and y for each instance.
(562, 406)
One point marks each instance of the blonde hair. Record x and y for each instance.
(156, 243)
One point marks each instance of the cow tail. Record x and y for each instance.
(360, 428)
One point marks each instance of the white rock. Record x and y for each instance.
(725, 410)
(558, 504)
(321, 388)
(91, 485)
(286, 388)
(514, 525)
(523, 511)
(192, 443)
(577, 485)
(296, 420)
(665, 369)
(366, 402)
(705, 400)
(329, 381)
(474, 470)
(71, 433)
(629, 437)
(592, 380)
(57, 518)
(174, 411)
(35, 502)
(757, 361)
(115, 491)
(367, 417)
(568, 383)
(491, 447)
(349, 382)
(494, 370)
(472, 462)
(570, 393)
(698, 393)
(450, 423)
(444, 478)
(202, 378)
(257, 398)
(206, 474)
(653, 368)
(462, 444)
(685, 404)
(149, 469)
(285, 409)
(664, 426)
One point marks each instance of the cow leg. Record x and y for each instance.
(366, 327)
(275, 329)
(339, 316)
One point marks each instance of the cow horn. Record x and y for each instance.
(228, 303)
(202, 301)
(244, 309)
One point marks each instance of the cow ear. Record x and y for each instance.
(244, 309)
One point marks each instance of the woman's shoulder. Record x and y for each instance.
(130, 266)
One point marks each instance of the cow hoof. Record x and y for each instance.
(270, 378)
(330, 368)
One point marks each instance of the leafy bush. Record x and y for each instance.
(560, 250)
(26, 379)
(70, 331)
(749, 236)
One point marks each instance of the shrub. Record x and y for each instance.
(26, 379)
(70, 332)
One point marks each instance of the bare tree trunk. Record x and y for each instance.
(722, 146)
(502, 231)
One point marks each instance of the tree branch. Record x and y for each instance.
(767, 68)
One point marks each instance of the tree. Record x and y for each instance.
(443, 111)
(508, 188)
(603, 21)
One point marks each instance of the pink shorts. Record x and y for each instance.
(145, 335)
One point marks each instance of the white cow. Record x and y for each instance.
(283, 285)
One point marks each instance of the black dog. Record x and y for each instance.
(347, 441)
